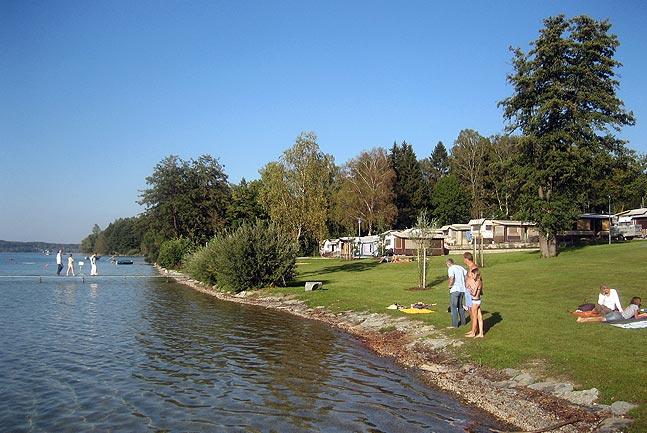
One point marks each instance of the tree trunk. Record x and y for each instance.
(548, 245)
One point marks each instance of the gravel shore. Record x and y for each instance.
(517, 399)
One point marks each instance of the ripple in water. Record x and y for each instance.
(133, 356)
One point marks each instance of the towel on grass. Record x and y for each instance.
(416, 310)
(630, 324)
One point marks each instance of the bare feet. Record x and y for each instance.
(470, 335)
(478, 336)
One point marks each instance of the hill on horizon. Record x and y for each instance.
(35, 247)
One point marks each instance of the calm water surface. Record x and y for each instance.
(111, 354)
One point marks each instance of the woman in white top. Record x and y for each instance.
(608, 301)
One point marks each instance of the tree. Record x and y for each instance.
(245, 205)
(122, 236)
(366, 191)
(450, 202)
(424, 233)
(470, 160)
(187, 198)
(501, 185)
(88, 244)
(295, 189)
(253, 256)
(436, 166)
(410, 194)
(565, 104)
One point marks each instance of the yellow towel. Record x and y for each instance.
(416, 310)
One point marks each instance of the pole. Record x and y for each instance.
(609, 219)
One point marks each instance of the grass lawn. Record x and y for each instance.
(525, 307)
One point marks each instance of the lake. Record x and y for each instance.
(120, 353)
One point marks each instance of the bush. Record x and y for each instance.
(201, 265)
(172, 252)
(253, 256)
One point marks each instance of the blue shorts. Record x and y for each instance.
(468, 298)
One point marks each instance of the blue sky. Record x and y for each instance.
(93, 94)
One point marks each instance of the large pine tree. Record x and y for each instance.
(411, 196)
(566, 107)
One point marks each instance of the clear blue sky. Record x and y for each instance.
(94, 93)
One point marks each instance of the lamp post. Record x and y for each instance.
(609, 219)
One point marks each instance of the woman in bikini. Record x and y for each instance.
(476, 290)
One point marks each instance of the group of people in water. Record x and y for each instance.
(70, 264)
(609, 308)
(466, 286)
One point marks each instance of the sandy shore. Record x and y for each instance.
(518, 399)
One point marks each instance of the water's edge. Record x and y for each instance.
(477, 386)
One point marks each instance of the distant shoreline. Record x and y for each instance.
(37, 247)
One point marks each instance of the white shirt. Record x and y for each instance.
(612, 301)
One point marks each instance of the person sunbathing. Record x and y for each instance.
(631, 312)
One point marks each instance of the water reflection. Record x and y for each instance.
(142, 355)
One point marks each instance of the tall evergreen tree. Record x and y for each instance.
(450, 202)
(435, 166)
(566, 106)
(411, 196)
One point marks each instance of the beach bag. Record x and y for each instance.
(586, 307)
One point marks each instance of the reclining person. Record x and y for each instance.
(631, 312)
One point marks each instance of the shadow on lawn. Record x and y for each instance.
(492, 320)
(346, 267)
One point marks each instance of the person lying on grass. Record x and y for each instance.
(631, 312)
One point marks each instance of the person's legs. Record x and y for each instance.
(479, 318)
(473, 320)
(461, 310)
(602, 309)
(591, 319)
(455, 306)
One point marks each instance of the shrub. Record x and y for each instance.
(172, 252)
(253, 256)
(200, 265)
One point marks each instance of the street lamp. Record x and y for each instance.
(609, 219)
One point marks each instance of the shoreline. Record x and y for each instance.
(513, 397)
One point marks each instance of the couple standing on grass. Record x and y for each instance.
(469, 285)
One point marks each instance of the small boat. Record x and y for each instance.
(124, 262)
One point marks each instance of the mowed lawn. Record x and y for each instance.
(526, 306)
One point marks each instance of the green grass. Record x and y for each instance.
(526, 303)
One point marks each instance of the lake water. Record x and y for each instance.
(112, 354)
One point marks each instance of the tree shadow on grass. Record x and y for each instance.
(360, 266)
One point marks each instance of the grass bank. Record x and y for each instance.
(526, 306)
